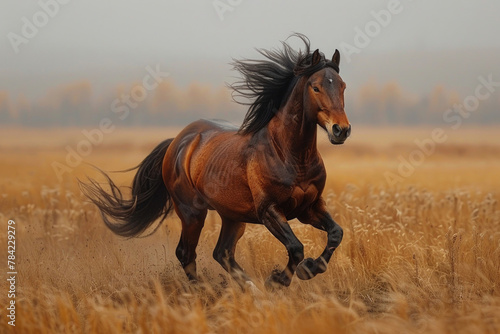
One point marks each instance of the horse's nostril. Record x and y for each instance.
(337, 130)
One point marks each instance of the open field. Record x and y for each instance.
(420, 254)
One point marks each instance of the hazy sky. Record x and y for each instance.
(109, 41)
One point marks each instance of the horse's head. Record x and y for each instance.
(324, 93)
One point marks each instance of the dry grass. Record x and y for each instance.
(421, 256)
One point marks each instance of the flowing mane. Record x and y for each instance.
(268, 83)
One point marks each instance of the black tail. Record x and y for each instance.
(150, 199)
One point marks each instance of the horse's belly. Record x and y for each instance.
(222, 183)
(233, 202)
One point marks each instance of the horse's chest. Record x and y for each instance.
(297, 188)
(302, 196)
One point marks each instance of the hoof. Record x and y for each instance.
(277, 280)
(307, 269)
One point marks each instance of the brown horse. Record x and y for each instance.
(266, 172)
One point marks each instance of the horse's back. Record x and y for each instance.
(220, 124)
(210, 126)
(195, 137)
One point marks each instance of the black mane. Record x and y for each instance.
(268, 83)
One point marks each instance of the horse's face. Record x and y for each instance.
(325, 92)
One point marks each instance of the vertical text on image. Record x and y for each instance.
(11, 273)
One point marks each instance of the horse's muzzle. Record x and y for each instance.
(339, 134)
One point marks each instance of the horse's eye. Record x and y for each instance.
(316, 89)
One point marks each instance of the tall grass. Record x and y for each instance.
(422, 256)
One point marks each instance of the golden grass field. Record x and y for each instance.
(419, 256)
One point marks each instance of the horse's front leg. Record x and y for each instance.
(276, 223)
(318, 217)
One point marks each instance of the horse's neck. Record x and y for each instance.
(292, 134)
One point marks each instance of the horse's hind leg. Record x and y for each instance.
(230, 233)
(193, 221)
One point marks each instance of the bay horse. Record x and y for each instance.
(267, 171)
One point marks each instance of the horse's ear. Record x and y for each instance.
(316, 57)
(336, 57)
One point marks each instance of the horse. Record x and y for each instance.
(268, 171)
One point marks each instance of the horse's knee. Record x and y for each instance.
(337, 235)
